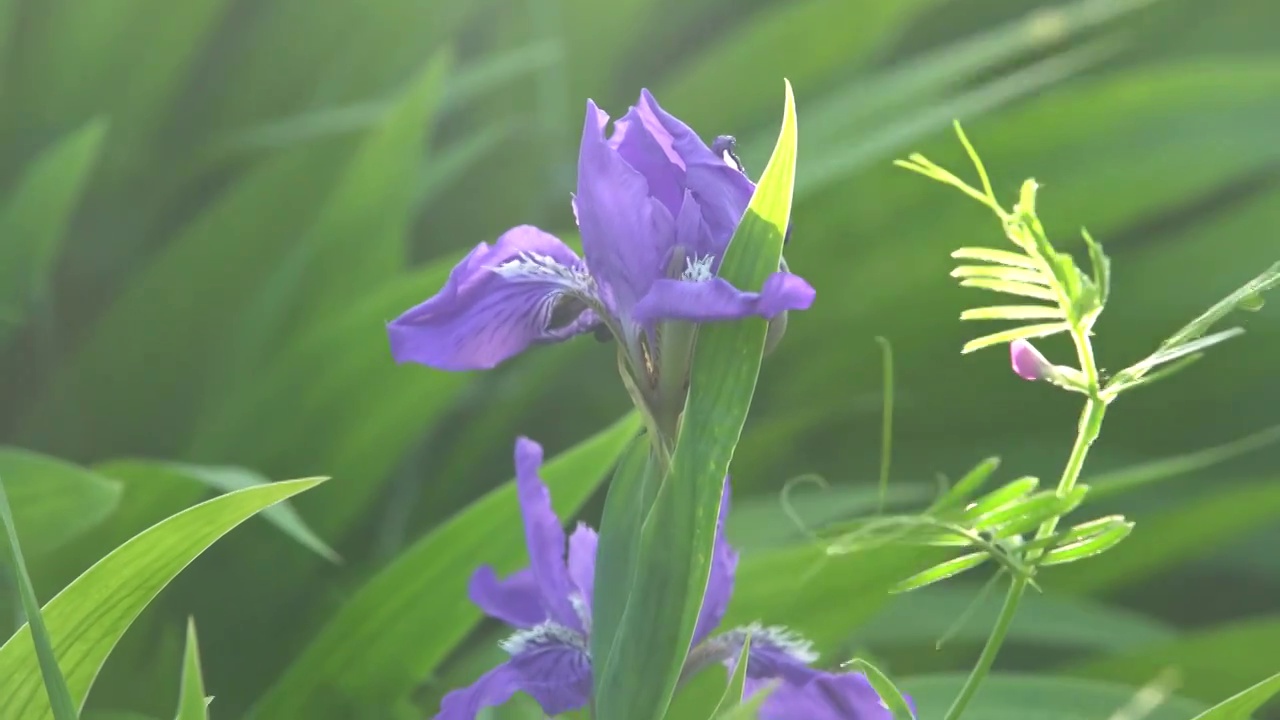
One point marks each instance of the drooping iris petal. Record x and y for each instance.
(626, 233)
(544, 536)
(554, 668)
(582, 561)
(493, 688)
(829, 696)
(722, 190)
(498, 301)
(548, 662)
(515, 600)
(715, 299)
(724, 563)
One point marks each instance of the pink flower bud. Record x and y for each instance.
(1027, 361)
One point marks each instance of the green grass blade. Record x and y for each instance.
(1242, 705)
(85, 630)
(889, 693)
(34, 217)
(53, 500)
(283, 515)
(398, 627)
(61, 704)
(193, 704)
(733, 691)
(1246, 296)
(639, 661)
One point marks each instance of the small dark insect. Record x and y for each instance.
(726, 147)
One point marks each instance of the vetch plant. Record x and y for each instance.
(1067, 300)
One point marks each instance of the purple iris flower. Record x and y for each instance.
(656, 208)
(550, 605)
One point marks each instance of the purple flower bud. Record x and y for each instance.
(1027, 361)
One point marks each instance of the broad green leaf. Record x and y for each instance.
(1243, 704)
(639, 659)
(53, 500)
(1212, 662)
(1164, 540)
(364, 412)
(55, 685)
(84, 629)
(34, 217)
(1009, 696)
(193, 704)
(226, 479)
(406, 620)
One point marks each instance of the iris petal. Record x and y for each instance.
(724, 563)
(722, 190)
(715, 299)
(828, 696)
(514, 600)
(493, 688)
(544, 536)
(626, 233)
(497, 302)
(582, 561)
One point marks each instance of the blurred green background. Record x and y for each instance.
(210, 208)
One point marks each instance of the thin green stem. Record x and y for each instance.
(1089, 427)
(991, 649)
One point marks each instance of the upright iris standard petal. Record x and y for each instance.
(626, 232)
(516, 601)
(642, 142)
(582, 562)
(724, 563)
(721, 189)
(544, 536)
(715, 299)
(527, 288)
